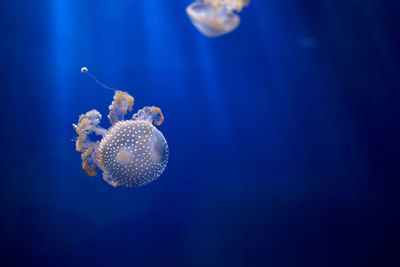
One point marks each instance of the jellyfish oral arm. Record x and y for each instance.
(123, 102)
(149, 114)
(88, 123)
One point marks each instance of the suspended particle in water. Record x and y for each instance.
(131, 152)
(216, 17)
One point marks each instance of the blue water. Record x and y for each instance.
(283, 135)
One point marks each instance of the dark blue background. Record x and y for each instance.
(284, 135)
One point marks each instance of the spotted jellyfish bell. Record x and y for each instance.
(215, 17)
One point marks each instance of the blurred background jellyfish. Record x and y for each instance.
(215, 17)
(132, 152)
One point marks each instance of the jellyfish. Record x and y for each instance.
(131, 152)
(215, 17)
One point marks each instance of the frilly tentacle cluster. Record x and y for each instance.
(88, 123)
(123, 102)
(149, 114)
(89, 161)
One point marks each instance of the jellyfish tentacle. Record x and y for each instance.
(123, 102)
(84, 70)
(88, 124)
(98, 81)
(89, 158)
(149, 114)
